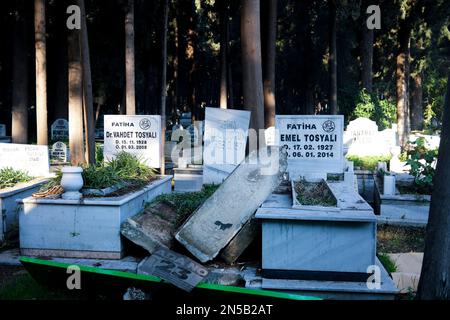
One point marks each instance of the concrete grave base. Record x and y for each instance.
(332, 290)
(89, 228)
(9, 207)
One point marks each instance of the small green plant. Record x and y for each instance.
(10, 177)
(124, 168)
(368, 162)
(422, 161)
(387, 262)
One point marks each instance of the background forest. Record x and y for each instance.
(321, 47)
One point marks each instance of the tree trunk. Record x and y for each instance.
(416, 103)
(435, 276)
(19, 110)
(269, 63)
(163, 82)
(402, 83)
(76, 142)
(87, 88)
(223, 54)
(41, 72)
(251, 62)
(332, 60)
(130, 60)
(366, 51)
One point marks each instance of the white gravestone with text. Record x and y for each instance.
(30, 158)
(315, 144)
(363, 138)
(59, 152)
(225, 137)
(60, 129)
(138, 135)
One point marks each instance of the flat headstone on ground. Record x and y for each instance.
(213, 225)
(59, 152)
(138, 135)
(60, 129)
(175, 268)
(226, 133)
(2, 130)
(30, 158)
(315, 143)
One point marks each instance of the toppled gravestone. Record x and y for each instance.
(214, 224)
(152, 229)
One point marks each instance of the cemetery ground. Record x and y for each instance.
(17, 284)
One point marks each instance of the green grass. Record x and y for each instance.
(186, 203)
(10, 177)
(387, 262)
(368, 162)
(395, 239)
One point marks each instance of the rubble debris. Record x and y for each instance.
(154, 228)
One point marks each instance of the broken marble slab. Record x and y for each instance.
(152, 229)
(241, 241)
(214, 224)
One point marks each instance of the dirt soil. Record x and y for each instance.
(393, 239)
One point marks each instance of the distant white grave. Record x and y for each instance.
(60, 129)
(30, 158)
(2, 130)
(225, 138)
(59, 152)
(138, 135)
(315, 145)
(362, 138)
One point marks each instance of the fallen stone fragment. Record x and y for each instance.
(214, 224)
(175, 268)
(152, 229)
(240, 242)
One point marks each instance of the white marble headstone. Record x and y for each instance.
(60, 129)
(138, 135)
(59, 152)
(315, 144)
(225, 138)
(30, 158)
(363, 138)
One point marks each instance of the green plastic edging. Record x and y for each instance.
(149, 278)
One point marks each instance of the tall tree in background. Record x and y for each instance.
(332, 59)
(89, 119)
(435, 275)
(224, 30)
(19, 127)
(251, 62)
(164, 81)
(41, 72)
(417, 102)
(402, 80)
(75, 87)
(130, 72)
(366, 49)
(269, 54)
